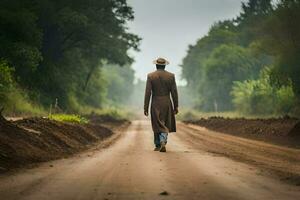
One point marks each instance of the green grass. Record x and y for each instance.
(69, 118)
(118, 113)
(187, 114)
(16, 103)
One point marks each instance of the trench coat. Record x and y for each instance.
(160, 88)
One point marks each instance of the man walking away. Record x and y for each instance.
(160, 85)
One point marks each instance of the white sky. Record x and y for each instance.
(167, 27)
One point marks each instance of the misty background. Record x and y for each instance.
(167, 27)
(82, 57)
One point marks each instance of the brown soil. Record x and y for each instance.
(36, 140)
(283, 131)
(295, 131)
(198, 164)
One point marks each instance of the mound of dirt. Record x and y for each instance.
(283, 131)
(36, 140)
(295, 132)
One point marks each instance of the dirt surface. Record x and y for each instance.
(199, 164)
(34, 140)
(295, 131)
(284, 131)
(100, 119)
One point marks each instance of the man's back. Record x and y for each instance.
(160, 84)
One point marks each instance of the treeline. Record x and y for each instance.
(65, 52)
(250, 64)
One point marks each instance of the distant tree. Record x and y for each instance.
(119, 82)
(193, 63)
(57, 46)
(280, 37)
(6, 79)
(253, 13)
(266, 33)
(226, 64)
(252, 96)
(20, 37)
(78, 37)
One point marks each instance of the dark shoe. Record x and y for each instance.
(162, 147)
(156, 149)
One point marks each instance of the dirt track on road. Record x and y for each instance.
(199, 164)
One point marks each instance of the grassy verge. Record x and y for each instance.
(69, 118)
(117, 113)
(99, 115)
(16, 103)
(187, 114)
(113, 113)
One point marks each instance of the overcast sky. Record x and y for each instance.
(167, 27)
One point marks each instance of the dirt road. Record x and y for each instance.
(193, 168)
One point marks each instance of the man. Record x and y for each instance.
(160, 84)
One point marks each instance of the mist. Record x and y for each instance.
(168, 27)
(215, 51)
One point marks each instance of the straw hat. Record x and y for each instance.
(161, 61)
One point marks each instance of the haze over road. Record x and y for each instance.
(130, 169)
(168, 27)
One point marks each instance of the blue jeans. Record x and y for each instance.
(160, 137)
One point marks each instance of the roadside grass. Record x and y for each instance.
(188, 114)
(16, 103)
(105, 114)
(69, 118)
(115, 113)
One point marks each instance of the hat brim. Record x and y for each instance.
(156, 63)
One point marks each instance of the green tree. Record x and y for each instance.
(6, 79)
(192, 66)
(280, 37)
(57, 47)
(251, 18)
(78, 38)
(226, 64)
(119, 82)
(20, 37)
(266, 33)
(260, 97)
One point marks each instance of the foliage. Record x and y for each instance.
(119, 81)
(280, 37)
(6, 79)
(226, 64)
(189, 114)
(69, 118)
(193, 63)
(265, 33)
(55, 49)
(259, 97)
(136, 100)
(12, 98)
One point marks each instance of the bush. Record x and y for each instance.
(260, 97)
(187, 115)
(6, 79)
(12, 98)
(226, 64)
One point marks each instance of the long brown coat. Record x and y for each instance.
(160, 84)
